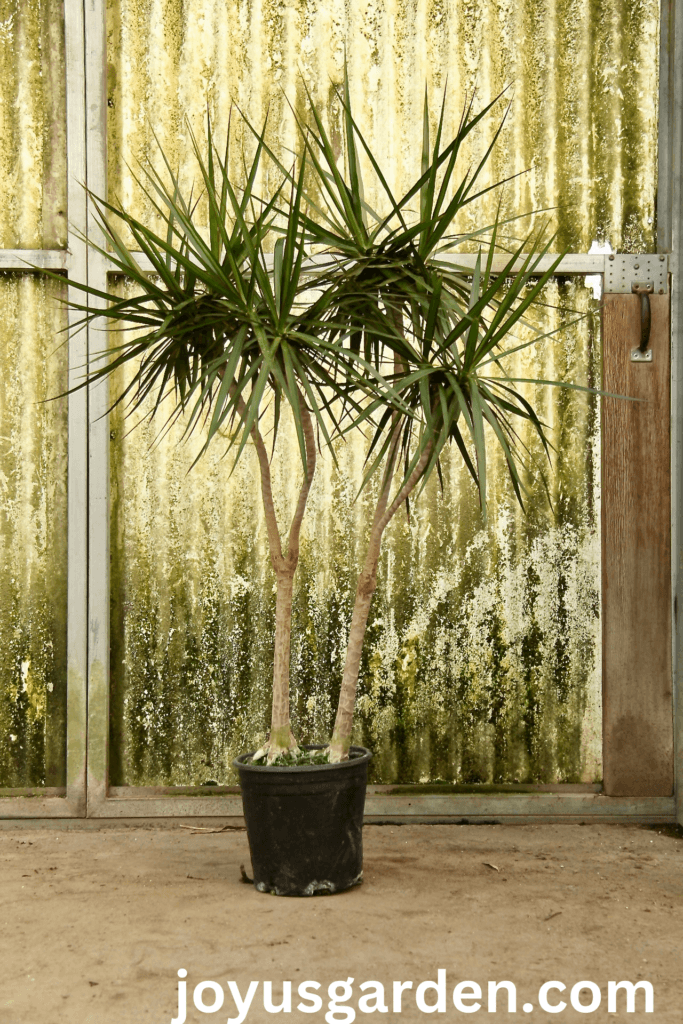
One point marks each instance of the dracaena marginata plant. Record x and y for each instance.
(353, 319)
(434, 329)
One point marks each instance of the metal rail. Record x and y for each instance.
(62, 259)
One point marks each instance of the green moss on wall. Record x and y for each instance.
(581, 74)
(33, 181)
(33, 494)
(482, 655)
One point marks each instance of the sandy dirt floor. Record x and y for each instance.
(96, 924)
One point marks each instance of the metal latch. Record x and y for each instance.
(643, 275)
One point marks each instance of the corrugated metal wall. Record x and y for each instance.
(482, 654)
(33, 492)
(33, 437)
(482, 660)
(582, 75)
(32, 125)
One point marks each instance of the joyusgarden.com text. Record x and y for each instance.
(344, 1000)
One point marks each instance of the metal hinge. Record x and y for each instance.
(643, 275)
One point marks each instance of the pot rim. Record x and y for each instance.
(364, 757)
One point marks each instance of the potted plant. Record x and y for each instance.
(352, 319)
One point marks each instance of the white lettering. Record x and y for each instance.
(576, 991)
(336, 999)
(494, 986)
(317, 1003)
(198, 996)
(182, 999)
(286, 1003)
(630, 989)
(545, 1005)
(398, 989)
(466, 990)
(241, 1004)
(377, 995)
(440, 988)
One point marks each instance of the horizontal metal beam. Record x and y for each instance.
(373, 789)
(59, 259)
(572, 263)
(34, 259)
(380, 806)
(556, 805)
(32, 806)
(34, 791)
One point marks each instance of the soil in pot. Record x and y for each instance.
(305, 824)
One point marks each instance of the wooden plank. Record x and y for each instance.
(636, 553)
(672, 117)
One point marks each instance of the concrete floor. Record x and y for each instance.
(95, 924)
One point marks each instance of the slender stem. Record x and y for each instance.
(309, 438)
(367, 583)
(281, 738)
(274, 542)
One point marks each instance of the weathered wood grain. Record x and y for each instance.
(636, 553)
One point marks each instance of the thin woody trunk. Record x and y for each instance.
(367, 583)
(281, 739)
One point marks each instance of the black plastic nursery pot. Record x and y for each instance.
(305, 824)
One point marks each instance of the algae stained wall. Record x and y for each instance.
(33, 184)
(581, 74)
(482, 654)
(33, 437)
(33, 521)
(482, 661)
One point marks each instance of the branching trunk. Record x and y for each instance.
(281, 739)
(367, 583)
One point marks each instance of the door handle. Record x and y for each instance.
(644, 289)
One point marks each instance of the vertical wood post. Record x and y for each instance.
(636, 553)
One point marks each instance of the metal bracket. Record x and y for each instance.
(621, 272)
(642, 274)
